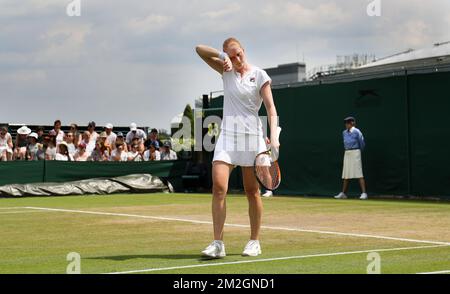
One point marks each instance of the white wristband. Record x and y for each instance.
(222, 56)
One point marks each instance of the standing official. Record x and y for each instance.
(352, 169)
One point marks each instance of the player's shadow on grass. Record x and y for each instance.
(156, 256)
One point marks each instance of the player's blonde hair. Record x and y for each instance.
(230, 41)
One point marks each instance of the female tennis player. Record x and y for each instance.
(246, 87)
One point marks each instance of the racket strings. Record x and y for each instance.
(267, 171)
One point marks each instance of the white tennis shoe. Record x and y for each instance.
(215, 250)
(253, 248)
(364, 196)
(267, 194)
(340, 196)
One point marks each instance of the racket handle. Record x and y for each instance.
(276, 151)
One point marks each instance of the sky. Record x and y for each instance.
(134, 61)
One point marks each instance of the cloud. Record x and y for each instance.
(413, 34)
(149, 24)
(63, 45)
(14, 8)
(322, 16)
(23, 76)
(135, 60)
(228, 10)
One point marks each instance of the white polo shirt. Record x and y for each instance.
(139, 134)
(242, 101)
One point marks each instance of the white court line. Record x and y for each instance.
(18, 207)
(22, 211)
(243, 226)
(434, 273)
(273, 259)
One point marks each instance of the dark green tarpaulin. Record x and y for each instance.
(23, 172)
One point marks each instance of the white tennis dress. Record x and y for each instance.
(241, 137)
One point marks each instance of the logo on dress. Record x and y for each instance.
(252, 79)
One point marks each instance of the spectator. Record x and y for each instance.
(50, 151)
(103, 138)
(118, 154)
(136, 133)
(101, 151)
(134, 154)
(86, 139)
(70, 139)
(40, 132)
(63, 152)
(167, 153)
(111, 137)
(120, 140)
(20, 149)
(81, 154)
(152, 154)
(76, 134)
(93, 134)
(57, 132)
(6, 145)
(152, 138)
(32, 147)
(42, 148)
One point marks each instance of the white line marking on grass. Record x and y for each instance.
(18, 207)
(273, 259)
(22, 211)
(243, 226)
(435, 273)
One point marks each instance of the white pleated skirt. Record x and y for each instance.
(352, 168)
(238, 149)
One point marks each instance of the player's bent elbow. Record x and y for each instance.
(199, 49)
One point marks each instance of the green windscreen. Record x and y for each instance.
(405, 122)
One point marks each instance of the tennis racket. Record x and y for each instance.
(267, 170)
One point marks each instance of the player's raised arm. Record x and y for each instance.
(219, 61)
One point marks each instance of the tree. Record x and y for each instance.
(189, 114)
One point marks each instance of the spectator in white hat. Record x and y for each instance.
(6, 145)
(136, 133)
(32, 147)
(111, 137)
(20, 149)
